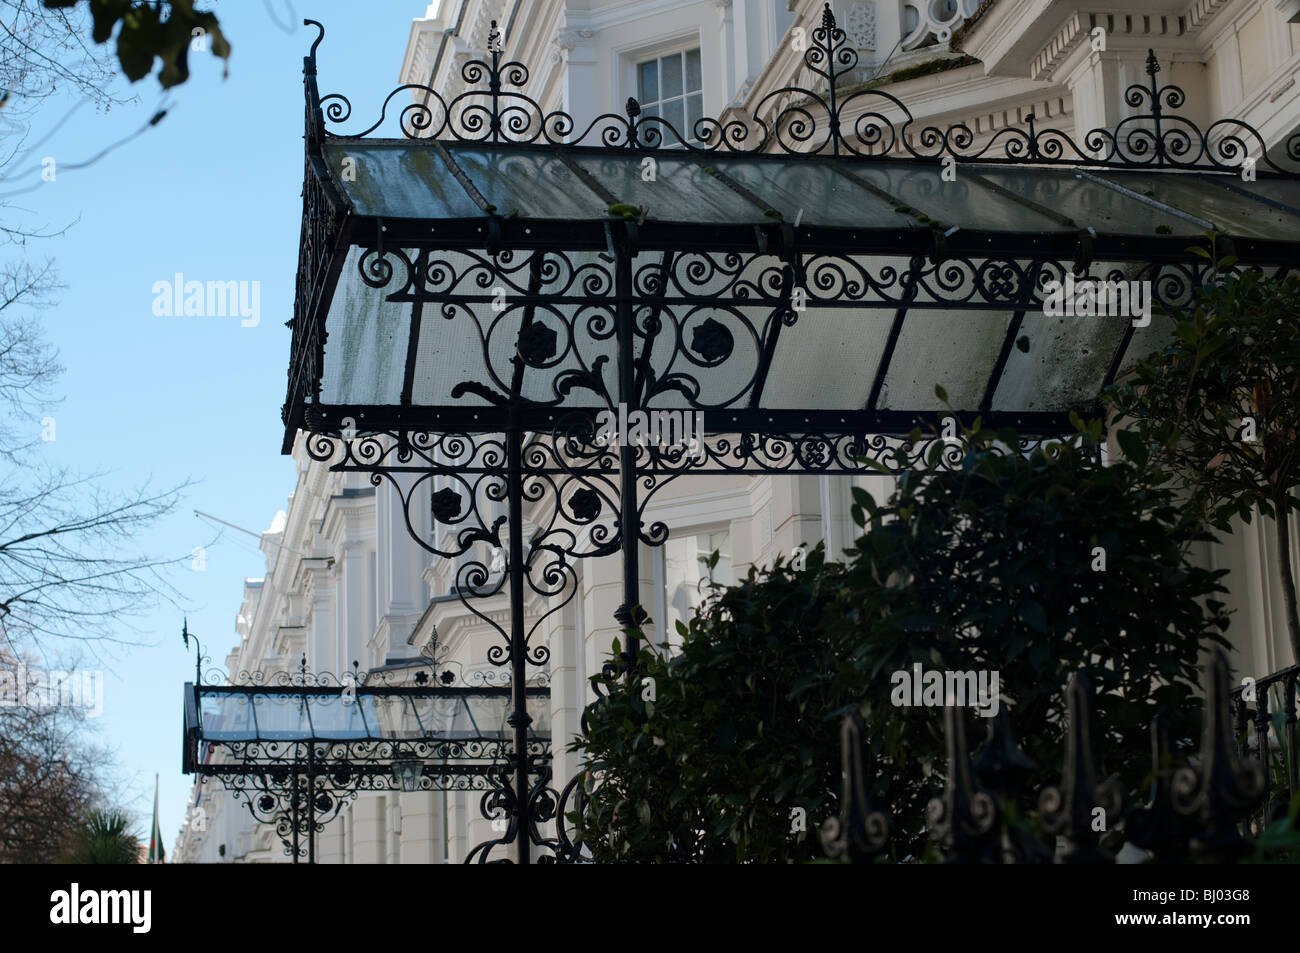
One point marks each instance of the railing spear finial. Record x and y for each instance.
(1080, 808)
(1220, 786)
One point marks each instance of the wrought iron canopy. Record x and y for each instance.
(783, 274)
(222, 714)
(296, 746)
(250, 728)
(295, 754)
(473, 296)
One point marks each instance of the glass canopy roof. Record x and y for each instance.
(479, 287)
(226, 715)
(407, 179)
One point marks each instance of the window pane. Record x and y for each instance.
(693, 82)
(686, 577)
(648, 82)
(649, 111)
(676, 115)
(681, 578)
(226, 717)
(672, 76)
(694, 110)
(334, 717)
(282, 717)
(721, 544)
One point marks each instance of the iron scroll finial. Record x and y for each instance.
(186, 636)
(309, 64)
(1153, 64)
(830, 57)
(494, 39)
(633, 109)
(315, 127)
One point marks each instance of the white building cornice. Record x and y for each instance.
(1035, 37)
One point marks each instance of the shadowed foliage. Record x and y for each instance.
(1032, 565)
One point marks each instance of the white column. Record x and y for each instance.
(354, 627)
(400, 568)
(369, 837)
(1227, 92)
(421, 819)
(728, 81)
(889, 30)
(604, 594)
(830, 489)
(458, 815)
(321, 654)
(329, 843)
(747, 45)
(582, 87)
(568, 690)
(796, 519)
(1093, 93)
(393, 827)
(1257, 627)
(349, 836)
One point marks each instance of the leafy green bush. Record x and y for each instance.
(1218, 409)
(741, 730)
(1031, 565)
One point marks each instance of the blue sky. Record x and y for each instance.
(212, 191)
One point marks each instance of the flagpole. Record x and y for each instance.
(155, 833)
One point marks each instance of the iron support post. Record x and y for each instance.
(311, 802)
(519, 719)
(293, 810)
(630, 614)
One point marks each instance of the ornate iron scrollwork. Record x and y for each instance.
(575, 323)
(828, 116)
(298, 784)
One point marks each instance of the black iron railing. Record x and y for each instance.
(1264, 719)
(1202, 811)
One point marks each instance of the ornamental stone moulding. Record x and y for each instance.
(569, 37)
(860, 24)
